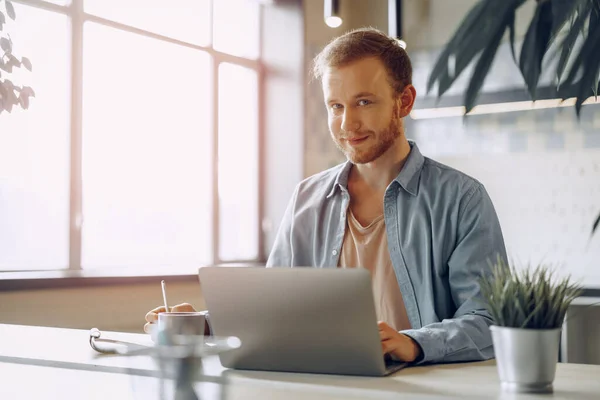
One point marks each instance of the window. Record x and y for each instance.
(34, 148)
(238, 162)
(185, 20)
(165, 109)
(236, 27)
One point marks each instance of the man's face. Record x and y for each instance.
(364, 113)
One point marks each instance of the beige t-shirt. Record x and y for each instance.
(367, 247)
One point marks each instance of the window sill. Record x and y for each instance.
(56, 279)
(33, 280)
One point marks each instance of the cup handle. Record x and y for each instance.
(207, 327)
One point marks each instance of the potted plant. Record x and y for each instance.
(11, 94)
(528, 307)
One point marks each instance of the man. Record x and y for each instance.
(425, 231)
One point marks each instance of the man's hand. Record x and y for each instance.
(402, 347)
(152, 316)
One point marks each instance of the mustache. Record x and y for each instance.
(354, 134)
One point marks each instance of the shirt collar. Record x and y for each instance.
(408, 178)
(341, 180)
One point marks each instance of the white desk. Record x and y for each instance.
(47, 363)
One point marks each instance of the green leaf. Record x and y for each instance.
(562, 11)
(586, 49)
(588, 60)
(594, 20)
(14, 61)
(476, 32)
(568, 44)
(9, 99)
(24, 101)
(594, 15)
(592, 27)
(5, 45)
(466, 26)
(511, 33)
(8, 85)
(28, 91)
(535, 46)
(10, 10)
(494, 20)
(26, 63)
(596, 224)
(6, 66)
(481, 69)
(531, 298)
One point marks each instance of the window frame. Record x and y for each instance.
(78, 17)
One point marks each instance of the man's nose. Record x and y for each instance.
(350, 122)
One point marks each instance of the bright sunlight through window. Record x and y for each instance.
(142, 92)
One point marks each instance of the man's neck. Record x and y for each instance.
(380, 173)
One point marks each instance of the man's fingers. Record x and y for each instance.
(157, 310)
(385, 335)
(152, 315)
(386, 346)
(183, 307)
(383, 327)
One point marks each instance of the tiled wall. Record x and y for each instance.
(541, 168)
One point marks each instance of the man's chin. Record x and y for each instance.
(360, 159)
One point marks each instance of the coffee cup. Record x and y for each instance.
(184, 323)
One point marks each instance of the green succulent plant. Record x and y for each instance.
(529, 298)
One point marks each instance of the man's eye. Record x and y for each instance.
(336, 106)
(364, 102)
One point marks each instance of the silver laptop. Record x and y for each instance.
(296, 319)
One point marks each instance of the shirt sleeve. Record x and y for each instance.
(282, 254)
(466, 336)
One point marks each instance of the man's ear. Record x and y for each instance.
(406, 100)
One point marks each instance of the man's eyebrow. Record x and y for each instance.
(364, 94)
(356, 96)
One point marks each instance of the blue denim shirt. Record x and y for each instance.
(442, 232)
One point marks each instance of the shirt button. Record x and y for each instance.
(334, 252)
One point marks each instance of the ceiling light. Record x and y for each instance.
(332, 13)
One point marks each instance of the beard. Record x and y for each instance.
(384, 139)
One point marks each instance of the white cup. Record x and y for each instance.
(183, 323)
